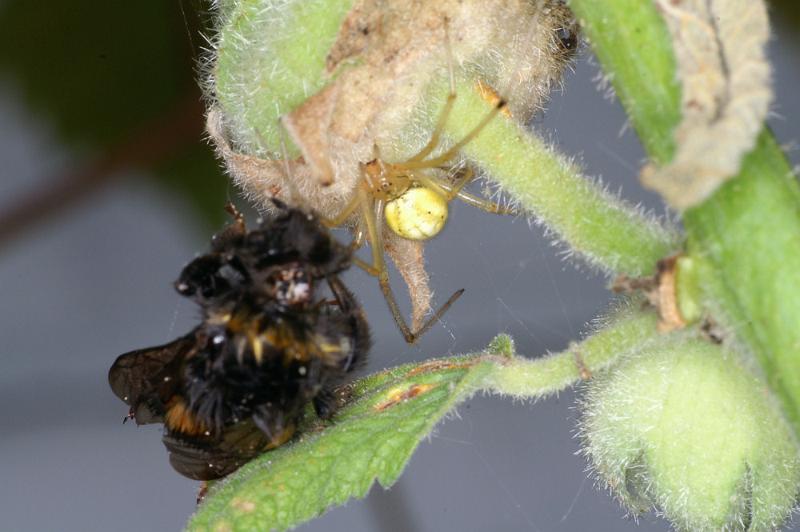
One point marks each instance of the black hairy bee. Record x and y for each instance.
(269, 343)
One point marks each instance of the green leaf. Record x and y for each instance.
(372, 439)
(385, 417)
(746, 236)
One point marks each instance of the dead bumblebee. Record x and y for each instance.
(270, 342)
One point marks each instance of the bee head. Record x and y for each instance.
(210, 278)
(296, 236)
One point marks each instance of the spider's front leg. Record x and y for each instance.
(450, 191)
(372, 213)
(231, 232)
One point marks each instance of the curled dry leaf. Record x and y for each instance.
(720, 51)
(384, 64)
(408, 257)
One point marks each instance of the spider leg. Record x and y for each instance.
(453, 150)
(342, 217)
(358, 239)
(465, 177)
(440, 186)
(373, 214)
(409, 335)
(437, 131)
(388, 294)
(379, 270)
(486, 205)
(448, 104)
(454, 190)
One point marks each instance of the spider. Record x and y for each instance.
(412, 198)
(392, 205)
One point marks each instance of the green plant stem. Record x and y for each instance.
(610, 234)
(632, 43)
(746, 237)
(534, 378)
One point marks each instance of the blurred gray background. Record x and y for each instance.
(96, 282)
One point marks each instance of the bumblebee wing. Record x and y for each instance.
(146, 378)
(211, 457)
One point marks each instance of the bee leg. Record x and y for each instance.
(360, 333)
(202, 492)
(344, 298)
(232, 232)
(325, 404)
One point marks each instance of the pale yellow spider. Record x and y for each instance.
(412, 198)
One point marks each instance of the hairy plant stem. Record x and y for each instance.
(595, 224)
(628, 332)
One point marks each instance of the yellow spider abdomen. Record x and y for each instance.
(417, 214)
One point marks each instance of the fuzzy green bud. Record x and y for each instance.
(338, 81)
(684, 429)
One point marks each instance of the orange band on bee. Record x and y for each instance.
(179, 419)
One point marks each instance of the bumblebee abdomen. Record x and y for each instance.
(271, 341)
(179, 418)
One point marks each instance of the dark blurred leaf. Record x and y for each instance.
(786, 13)
(96, 68)
(99, 70)
(197, 176)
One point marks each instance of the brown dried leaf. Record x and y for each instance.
(720, 51)
(408, 257)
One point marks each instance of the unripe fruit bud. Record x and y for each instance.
(306, 95)
(684, 429)
(346, 76)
